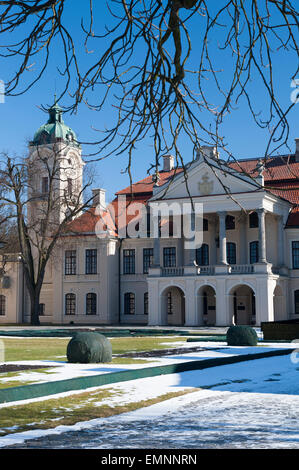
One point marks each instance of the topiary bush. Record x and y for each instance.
(89, 347)
(241, 336)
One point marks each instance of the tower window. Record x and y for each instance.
(45, 185)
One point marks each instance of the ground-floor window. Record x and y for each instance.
(2, 304)
(129, 303)
(70, 304)
(91, 303)
(296, 299)
(145, 303)
(41, 309)
(169, 304)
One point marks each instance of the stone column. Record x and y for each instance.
(262, 236)
(222, 238)
(280, 240)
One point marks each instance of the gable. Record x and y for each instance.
(205, 179)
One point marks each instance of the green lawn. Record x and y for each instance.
(24, 349)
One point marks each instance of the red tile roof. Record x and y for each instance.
(281, 177)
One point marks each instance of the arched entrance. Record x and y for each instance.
(206, 306)
(173, 306)
(278, 304)
(242, 305)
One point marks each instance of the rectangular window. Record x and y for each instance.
(295, 254)
(70, 262)
(129, 303)
(129, 261)
(296, 299)
(91, 304)
(70, 304)
(202, 255)
(205, 225)
(45, 185)
(254, 252)
(169, 257)
(230, 222)
(41, 309)
(145, 303)
(169, 304)
(231, 253)
(253, 220)
(91, 261)
(148, 256)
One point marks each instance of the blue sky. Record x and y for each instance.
(20, 116)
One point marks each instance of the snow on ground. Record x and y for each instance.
(249, 404)
(64, 370)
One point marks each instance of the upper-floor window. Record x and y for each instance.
(296, 301)
(145, 303)
(91, 261)
(202, 255)
(129, 261)
(70, 262)
(254, 252)
(231, 253)
(295, 254)
(91, 303)
(253, 220)
(148, 256)
(129, 303)
(70, 304)
(205, 225)
(2, 304)
(230, 222)
(169, 257)
(45, 185)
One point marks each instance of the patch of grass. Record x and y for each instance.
(70, 410)
(54, 349)
(15, 382)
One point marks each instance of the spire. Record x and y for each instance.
(55, 112)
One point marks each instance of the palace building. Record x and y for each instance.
(246, 270)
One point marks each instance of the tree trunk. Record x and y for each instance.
(34, 308)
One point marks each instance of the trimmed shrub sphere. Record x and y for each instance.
(241, 336)
(89, 347)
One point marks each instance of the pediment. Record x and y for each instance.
(206, 179)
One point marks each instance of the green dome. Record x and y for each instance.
(55, 129)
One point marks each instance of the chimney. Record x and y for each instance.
(206, 151)
(297, 150)
(168, 162)
(99, 197)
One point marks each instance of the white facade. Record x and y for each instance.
(246, 274)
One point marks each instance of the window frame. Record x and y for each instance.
(70, 262)
(2, 305)
(294, 265)
(145, 303)
(129, 303)
(147, 259)
(91, 303)
(91, 261)
(251, 245)
(169, 257)
(129, 261)
(202, 255)
(70, 304)
(231, 244)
